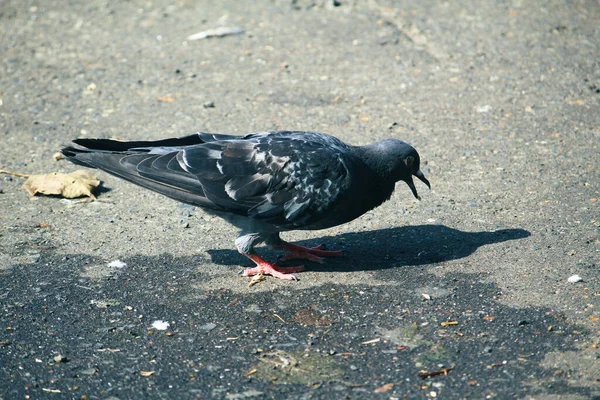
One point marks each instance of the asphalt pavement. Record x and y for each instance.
(469, 293)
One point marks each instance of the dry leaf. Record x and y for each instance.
(147, 373)
(76, 184)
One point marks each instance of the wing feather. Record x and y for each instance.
(280, 177)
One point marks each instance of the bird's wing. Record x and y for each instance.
(151, 164)
(281, 177)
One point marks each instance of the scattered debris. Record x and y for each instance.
(385, 388)
(449, 323)
(209, 104)
(61, 359)
(426, 296)
(3, 171)
(483, 109)
(165, 99)
(372, 341)
(574, 279)
(116, 264)
(147, 373)
(278, 316)
(444, 371)
(255, 279)
(160, 325)
(217, 32)
(89, 89)
(57, 156)
(51, 390)
(76, 184)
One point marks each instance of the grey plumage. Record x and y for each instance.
(263, 183)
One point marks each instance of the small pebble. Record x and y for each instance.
(575, 279)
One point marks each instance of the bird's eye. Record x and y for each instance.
(409, 161)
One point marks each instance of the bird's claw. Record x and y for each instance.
(265, 268)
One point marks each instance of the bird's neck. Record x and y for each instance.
(374, 156)
(376, 179)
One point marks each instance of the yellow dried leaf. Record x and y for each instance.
(76, 184)
(147, 373)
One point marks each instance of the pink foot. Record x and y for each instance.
(315, 254)
(266, 268)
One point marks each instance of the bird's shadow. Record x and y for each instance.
(388, 248)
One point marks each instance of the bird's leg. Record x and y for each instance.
(245, 245)
(315, 254)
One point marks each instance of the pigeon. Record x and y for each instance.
(263, 183)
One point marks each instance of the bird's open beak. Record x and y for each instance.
(411, 184)
(422, 178)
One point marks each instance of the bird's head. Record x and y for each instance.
(398, 161)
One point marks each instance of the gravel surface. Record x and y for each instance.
(465, 294)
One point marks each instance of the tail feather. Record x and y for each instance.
(135, 162)
(148, 145)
